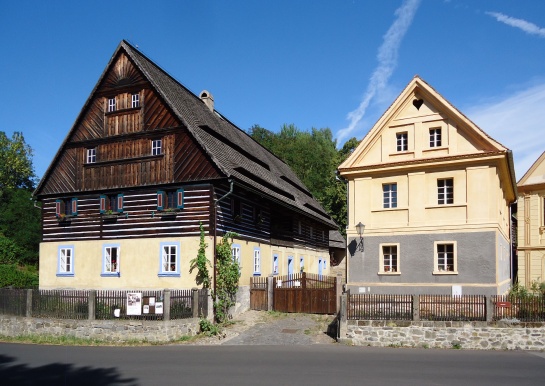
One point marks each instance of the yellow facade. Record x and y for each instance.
(531, 224)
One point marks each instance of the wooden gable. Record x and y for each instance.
(420, 125)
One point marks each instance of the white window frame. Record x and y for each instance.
(275, 267)
(389, 195)
(107, 269)
(156, 147)
(301, 263)
(257, 262)
(445, 187)
(65, 265)
(441, 269)
(386, 269)
(111, 105)
(169, 250)
(135, 100)
(235, 253)
(92, 155)
(435, 137)
(402, 141)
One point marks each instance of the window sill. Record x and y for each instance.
(445, 272)
(438, 148)
(438, 206)
(257, 274)
(107, 274)
(388, 209)
(404, 152)
(65, 274)
(122, 111)
(166, 274)
(389, 273)
(124, 160)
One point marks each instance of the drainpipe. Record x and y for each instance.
(216, 202)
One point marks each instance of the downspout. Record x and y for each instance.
(216, 202)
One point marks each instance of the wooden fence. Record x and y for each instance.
(380, 307)
(259, 293)
(306, 293)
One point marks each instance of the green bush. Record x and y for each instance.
(16, 277)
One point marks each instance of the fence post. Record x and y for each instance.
(195, 293)
(92, 305)
(28, 303)
(489, 308)
(342, 316)
(270, 292)
(166, 304)
(338, 290)
(416, 308)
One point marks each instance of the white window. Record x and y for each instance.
(435, 137)
(389, 258)
(66, 261)
(92, 155)
(402, 141)
(170, 259)
(110, 261)
(235, 252)
(156, 147)
(445, 261)
(111, 104)
(135, 100)
(445, 191)
(389, 195)
(257, 261)
(301, 264)
(275, 264)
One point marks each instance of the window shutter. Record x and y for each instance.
(120, 202)
(103, 204)
(180, 199)
(58, 204)
(74, 207)
(160, 200)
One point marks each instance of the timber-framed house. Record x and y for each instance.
(145, 163)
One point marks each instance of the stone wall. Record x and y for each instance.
(106, 330)
(464, 335)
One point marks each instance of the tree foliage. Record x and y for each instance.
(16, 169)
(227, 276)
(201, 263)
(314, 158)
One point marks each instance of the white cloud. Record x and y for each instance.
(517, 122)
(524, 25)
(387, 61)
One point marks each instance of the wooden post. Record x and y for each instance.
(270, 292)
(166, 305)
(416, 308)
(195, 293)
(92, 304)
(28, 303)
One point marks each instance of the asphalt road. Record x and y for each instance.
(264, 365)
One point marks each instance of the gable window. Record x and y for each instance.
(445, 261)
(111, 203)
(445, 191)
(235, 253)
(110, 260)
(170, 259)
(402, 141)
(65, 265)
(170, 199)
(135, 100)
(257, 262)
(92, 155)
(66, 208)
(389, 195)
(157, 147)
(111, 105)
(389, 258)
(435, 137)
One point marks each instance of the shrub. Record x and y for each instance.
(16, 277)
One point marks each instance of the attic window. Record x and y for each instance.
(111, 104)
(418, 103)
(135, 99)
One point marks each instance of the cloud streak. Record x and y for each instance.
(387, 61)
(526, 26)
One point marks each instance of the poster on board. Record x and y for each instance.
(134, 303)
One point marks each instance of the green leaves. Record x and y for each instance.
(16, 169)
(227, 276)
(201, 263)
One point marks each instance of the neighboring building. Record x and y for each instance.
(144, 164)
(531, 224)
(433, 191)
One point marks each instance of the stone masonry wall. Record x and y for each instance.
(464, 335)
(106, 330)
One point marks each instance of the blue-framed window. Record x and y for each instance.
(65, 265)
(275, 264)
(320, 266)
(169, 259)
(301, 263)
(235, 252)
(257, 261)
(290, 265)
(111, 254)
(170, 199)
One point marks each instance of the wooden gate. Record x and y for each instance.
(305, 293)
(258, 294)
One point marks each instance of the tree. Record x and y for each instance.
(201, 263)
(16, 169)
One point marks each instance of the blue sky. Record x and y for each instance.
(313, 63)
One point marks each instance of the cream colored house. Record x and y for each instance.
(531, 224)
(434, 192)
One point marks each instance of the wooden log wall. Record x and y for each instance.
(140, 217)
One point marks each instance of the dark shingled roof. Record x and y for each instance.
(232, 150)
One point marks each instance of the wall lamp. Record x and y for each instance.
(360, 228)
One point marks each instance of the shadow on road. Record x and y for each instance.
(58, 374)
